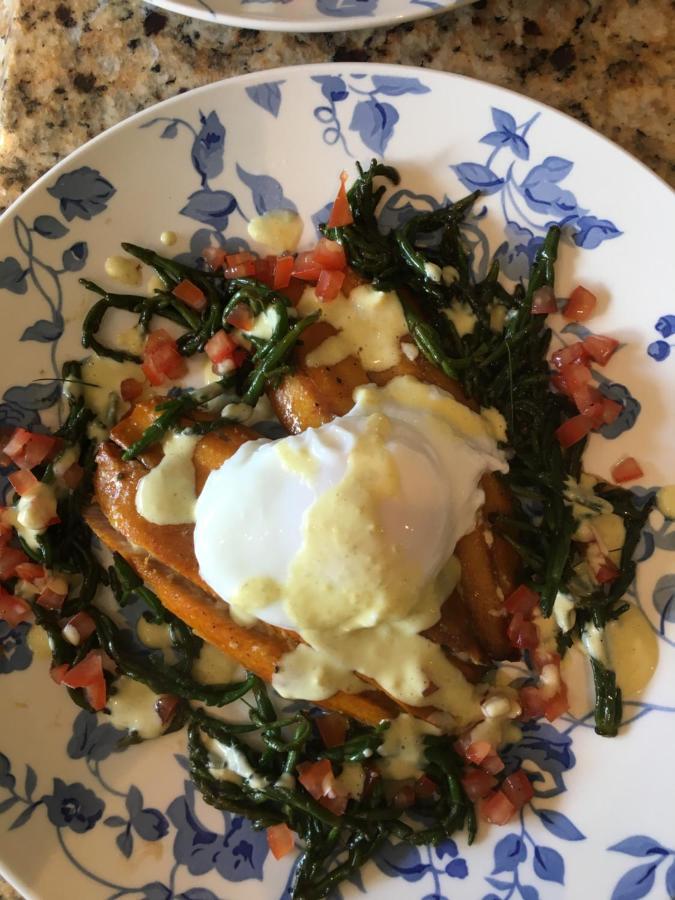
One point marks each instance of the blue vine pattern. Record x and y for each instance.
(234, 851)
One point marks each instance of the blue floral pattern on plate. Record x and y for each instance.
(358, 113)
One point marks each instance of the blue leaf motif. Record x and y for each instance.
(170, 131)
(394, 86)
(197, 894)
(43, 331)
(590, 232)
(266, 191)
(344, 8)
(457, 868)
(210, 207)
(83, 193)
(49, 227)
(670, 881)
(509, 852)
(156, 891)
(636, 883)
(8, 804)
(500, 885)
(663, 599)
(125, 842)
(30, 783)
(578, 330)
(208, 148)
(475, 176)
(267, 96)
(447, 847)
(552, 170)
(75, 257)
(549, 865)
(548, 197)
(114, 821)
(640, 844)
(528, 893)
(401, 860)
(559, 825)
(12, 276)
(503, 120)
(333, 87)
(374, 123)
(21, 819)
(39, 395)
(134, 800)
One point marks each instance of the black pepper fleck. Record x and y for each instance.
(85, 84)
(563, 57)
(64, 15)
(153, 23)
(531, 27)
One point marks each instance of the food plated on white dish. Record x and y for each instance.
(353, 463)
(308, 15)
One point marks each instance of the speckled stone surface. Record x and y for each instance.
(71, 69)
(74, 68)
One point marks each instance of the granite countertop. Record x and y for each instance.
(74, 68)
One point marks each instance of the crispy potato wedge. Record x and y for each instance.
(257, 649)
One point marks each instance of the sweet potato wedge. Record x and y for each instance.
(257, 649)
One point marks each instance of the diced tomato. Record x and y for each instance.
(523, 600)
(557, 705)
(283, 271)
(214, 257)
(628, 469)
(542, 657)
(264, 269)
(83, 623)
(572, 353)
(521, 633)
(497, 809)
(73, 476)
(478, 784)
(600, 348)
(190, 294)
(610, 410)
(462, 744)
(543, 301)
(573, 430)
(131, 389)
(329, 255)
(240, 317)
(58, 673)
(332, 728)
(607, 572)
(239, 265)
(161, 358)
(425, 788)
(492, 764)
(517, 788)
(580, 305)
(28, 450)
(88, 674)
(532, 702)
(166, 706)
(14, 609)
(280, 840)
(404, 797)
(478, 750)
(305, 267)
(30, 571)
(589, 401)
(316, 777)
(220, 347)
(341, 214)
(329, 284)
(575, 375)
(23, 481)
(51, 599)
(6, 531)
(10, 558)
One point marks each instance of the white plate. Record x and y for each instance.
(308, 15)
(77, 819)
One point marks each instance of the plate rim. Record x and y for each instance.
(316, 25)
(317, 68)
